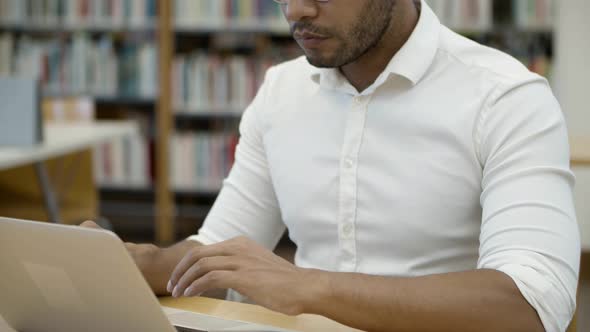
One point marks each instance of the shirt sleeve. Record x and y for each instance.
(247, 204)
(529, 229)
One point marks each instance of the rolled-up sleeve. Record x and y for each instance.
(529, 229)
(247, 204)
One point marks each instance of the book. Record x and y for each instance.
(476, 15)
(204, 83)
(6, 49)
(200, 161)
(126, 162)
(533, 13)
(229, 13)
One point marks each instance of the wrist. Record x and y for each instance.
(148, 258)
(317, 290)
(144, 255)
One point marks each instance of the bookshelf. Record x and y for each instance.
(164, 231)
(195, 66)
(112, 52)
(222, 52)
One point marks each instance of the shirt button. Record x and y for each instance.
(357, 102)
(348, 163)
(347, 229)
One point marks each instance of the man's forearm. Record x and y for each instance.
(482, 300)
(156, 264)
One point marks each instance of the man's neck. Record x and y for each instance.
(364, 71)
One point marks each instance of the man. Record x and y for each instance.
(424, 178)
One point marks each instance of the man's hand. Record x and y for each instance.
(142, 254)
(246, 267)
(90, 224)
(155, 263)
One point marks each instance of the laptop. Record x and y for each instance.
(67, 278)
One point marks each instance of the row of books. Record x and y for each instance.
(190, 13)
(203, 82)
(83, 65)
(534, 13)
(198, 162)
(464, 14)
(123, 163)
(201, 160)
(127, 162)
(479, 14)
(78, 13)
(249, 14)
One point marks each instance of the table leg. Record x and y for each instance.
(49, 195)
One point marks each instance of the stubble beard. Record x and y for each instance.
(365, 35)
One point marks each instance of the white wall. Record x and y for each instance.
(572, 76)
(572, 84)
(572, 71)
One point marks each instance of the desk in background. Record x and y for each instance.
(580, 151)
(61, 140)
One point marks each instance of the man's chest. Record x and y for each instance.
(370, 170)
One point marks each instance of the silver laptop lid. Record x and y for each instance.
(65, 278)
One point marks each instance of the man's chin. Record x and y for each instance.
(326, 59)
(321, 62)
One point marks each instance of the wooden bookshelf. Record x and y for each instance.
(165, 233)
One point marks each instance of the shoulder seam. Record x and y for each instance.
(476, 65)
(480, 122)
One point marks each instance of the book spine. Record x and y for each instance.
(201, 161)
(210, 83)
(464, 14)
(189, 13)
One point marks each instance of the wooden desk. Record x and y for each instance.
(254, 314)
(580, 151)
(61, 140)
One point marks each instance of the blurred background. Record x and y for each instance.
(170, 80)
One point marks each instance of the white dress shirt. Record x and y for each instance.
(456, 158)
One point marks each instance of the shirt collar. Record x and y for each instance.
(411, 61)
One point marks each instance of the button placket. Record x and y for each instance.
(348, 183)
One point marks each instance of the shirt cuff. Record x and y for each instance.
(551, 305)
(202, 239)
